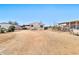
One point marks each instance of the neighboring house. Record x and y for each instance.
(26, 27)
(34, 26)
(37, 26)
(71, 24)
(18, 27)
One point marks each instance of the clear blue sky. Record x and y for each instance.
(48, 14)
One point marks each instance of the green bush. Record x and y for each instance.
(11, 29)
(45, 28)
(3, 30)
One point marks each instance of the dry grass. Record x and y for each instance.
(5, 37)
(39, 42)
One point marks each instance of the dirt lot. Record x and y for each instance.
(38, 43)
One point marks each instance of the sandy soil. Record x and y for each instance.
(28, 42)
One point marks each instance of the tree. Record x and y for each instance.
(13, 23)
(10, 22)
(45, 28)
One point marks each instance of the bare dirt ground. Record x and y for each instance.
(28, 42)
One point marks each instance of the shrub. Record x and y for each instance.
(45, 28)
(11, 29)
(34, 28)
(3, 30)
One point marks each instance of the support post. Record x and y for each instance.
(76, 25)
(69, 25)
